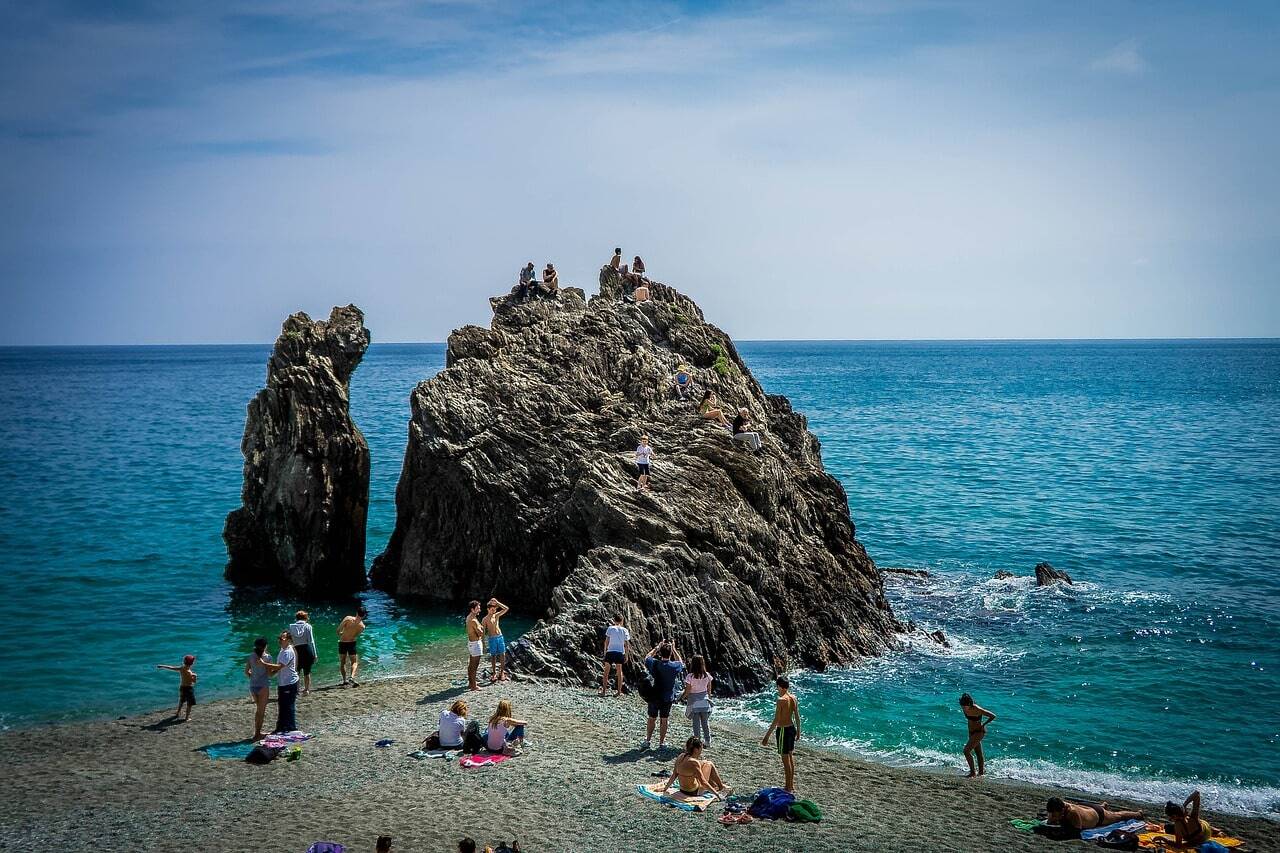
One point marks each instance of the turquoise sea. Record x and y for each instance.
(1148, 470)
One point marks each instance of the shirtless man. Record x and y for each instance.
(475, 643)
(786, 730)
(349, 630)
(497, 645)
(1079, 816)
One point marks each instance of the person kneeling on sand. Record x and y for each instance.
(506, 733)
(448, 735)
(697, 776)
(1078, 816)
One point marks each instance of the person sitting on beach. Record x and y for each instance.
(742, 430)
(505, 733)
(497, 643)
(973, 714)
(684, 380)
(528, 283)
(697, 776)
(697, 695)
(551, 280)
(304, 643)
(448, 734)
(615, 653)
(1189, 828)
(186, 684)
(644, 458)
(256, 670)
(663, 661)
(1077, 816)
(349, 631)
(709, 408)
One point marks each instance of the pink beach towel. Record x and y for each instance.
(484, 759)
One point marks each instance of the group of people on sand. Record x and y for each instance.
(504, 733)
(669, 681)
(478, 632)
(529, 287)
(290, 667)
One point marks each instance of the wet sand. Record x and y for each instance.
(141, 783)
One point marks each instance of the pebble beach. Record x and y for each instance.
(143, 783)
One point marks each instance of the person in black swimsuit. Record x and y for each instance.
(973, 715)
(1075, 816)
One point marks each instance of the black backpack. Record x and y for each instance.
(264, 754)
(645, 685)
(472, 740)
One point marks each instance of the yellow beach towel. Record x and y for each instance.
(1149, 839)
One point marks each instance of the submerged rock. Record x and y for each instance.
(919, 574)
(1001, 574)
(306, 465)
(1047, 574)
(519, 481)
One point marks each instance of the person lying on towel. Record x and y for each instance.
(1074, 817)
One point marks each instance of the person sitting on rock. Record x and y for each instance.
(709, 408)
(684, 380)
(551, 280)
(505, 733)
(616, 260)
(742, 430)
(528, 283)
(696, 775)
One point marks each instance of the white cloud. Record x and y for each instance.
(1124, 58)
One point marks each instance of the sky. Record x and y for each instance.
(180, 172)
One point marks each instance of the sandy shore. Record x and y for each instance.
(141, 783)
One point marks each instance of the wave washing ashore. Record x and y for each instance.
(1144, 469)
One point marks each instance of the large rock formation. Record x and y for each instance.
(519, 481)
(306, 465)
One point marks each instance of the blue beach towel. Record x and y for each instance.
(228, 751)
(1126, 825)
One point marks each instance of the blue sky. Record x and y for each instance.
(193, 172)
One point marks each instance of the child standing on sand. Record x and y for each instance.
(186, 686)
(786, 730)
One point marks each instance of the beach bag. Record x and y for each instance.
(646, 686)
(1118, 839)
(1211, 847)
(472, 739)
(804, 811)
(264, 754)
(771, 804)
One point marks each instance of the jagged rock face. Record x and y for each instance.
(519, 481)
(306, 466)
(1047, 574)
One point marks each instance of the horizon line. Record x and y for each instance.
(1187, 339)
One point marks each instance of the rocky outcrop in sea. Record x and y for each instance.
(519, 481)
(306, 466)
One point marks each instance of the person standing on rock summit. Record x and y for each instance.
(349, 630)
(644, 456)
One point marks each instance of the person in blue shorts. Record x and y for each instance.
(497, 645)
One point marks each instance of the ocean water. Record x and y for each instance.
(1148, 470)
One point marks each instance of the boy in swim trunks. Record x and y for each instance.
(475, 643)
(786, 730)
(497, 645)
(349, 630)
(186, 685)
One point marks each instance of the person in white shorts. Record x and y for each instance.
(475, 643)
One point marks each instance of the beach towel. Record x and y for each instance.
(281, 738)
(771, 803)
(326, 847)
(1149, 840)
(224, 751)
(484, 759)
(684, 802)
(1127, 825)
(435, 753)
(1024, 825)
(804, 811)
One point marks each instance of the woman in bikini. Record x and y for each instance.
(973, 714)
(709, 408)
(1188, 827)
(697, 777)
